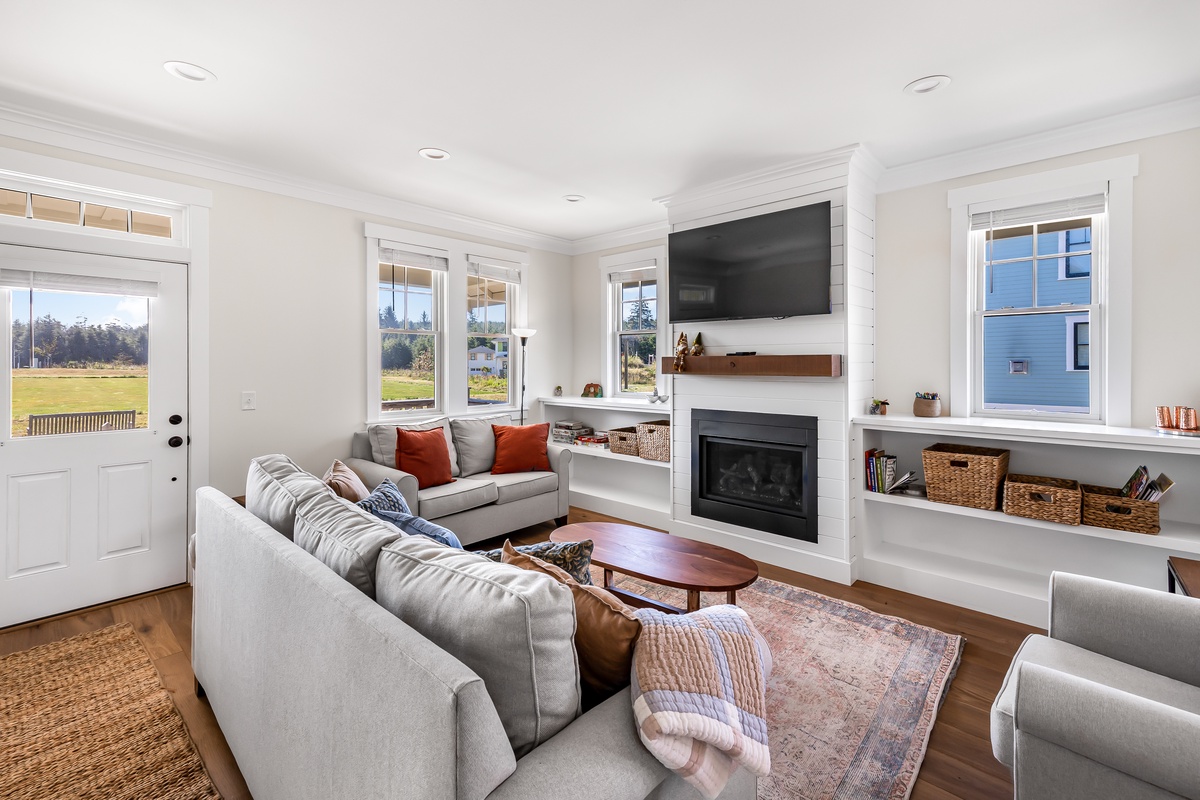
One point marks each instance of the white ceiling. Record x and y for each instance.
(619, 101)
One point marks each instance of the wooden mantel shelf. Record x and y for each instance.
(821, 366)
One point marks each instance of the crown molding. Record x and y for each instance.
(1159, 120)
(33, 126)
(626, 236)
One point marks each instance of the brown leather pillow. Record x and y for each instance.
(521, 448)
(605, 631)
(424, 455)
(345, 482)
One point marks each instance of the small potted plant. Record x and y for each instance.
(879, 407)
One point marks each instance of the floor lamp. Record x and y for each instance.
(523, 334)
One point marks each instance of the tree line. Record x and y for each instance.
(54, 344)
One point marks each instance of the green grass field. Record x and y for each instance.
(61, 391)
(403, 384)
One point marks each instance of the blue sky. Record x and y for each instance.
(72, 307)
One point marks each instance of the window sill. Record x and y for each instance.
(1071, 433)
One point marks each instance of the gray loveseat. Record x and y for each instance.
(477, 505)
(322, 692)
(1107, 705)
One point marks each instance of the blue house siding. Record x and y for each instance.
(1041, 338)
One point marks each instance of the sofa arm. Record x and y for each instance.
(560, 462)
(599, 757)
(1078, 739)
(1153, 630)
(373, 474)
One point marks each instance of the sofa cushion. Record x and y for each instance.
(512, 486)
(451, 498)
(605, 631)
(424, 455)
(344, 538)
(475, 442)
(345, 482)
(521, 448)
(417, 526)
(1064, 657)
(383, 441)
(275, 485)
(573, 558)
(513, 628)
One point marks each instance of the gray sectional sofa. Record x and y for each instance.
(477, 505)
(343, 659)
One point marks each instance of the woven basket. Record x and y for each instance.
(654, 440)
(962, 475)
(1107, 508)
(1049, 499)
(623, 441)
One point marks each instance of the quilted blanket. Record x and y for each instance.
(699, 694)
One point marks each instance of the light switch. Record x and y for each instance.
(249, 401)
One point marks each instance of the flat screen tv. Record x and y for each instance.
(773, 265)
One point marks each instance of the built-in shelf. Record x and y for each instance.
(1180, 536)
(600, 452)
(767, 366)
(609, 404)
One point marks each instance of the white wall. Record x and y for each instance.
(288, 321)
(912, 277)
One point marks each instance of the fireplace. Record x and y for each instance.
(756, 470)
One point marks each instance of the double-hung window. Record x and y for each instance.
(410, 328)
(492, 287)
(1038, 275)
(631, 284)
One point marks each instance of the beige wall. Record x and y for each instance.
(912, 276)
(588, 324)
(288, 321)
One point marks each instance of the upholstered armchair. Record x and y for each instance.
(1107, 705)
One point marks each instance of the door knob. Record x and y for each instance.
(174, 419)
(175, 441)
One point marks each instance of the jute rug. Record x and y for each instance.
(88, 717)
(852, 696)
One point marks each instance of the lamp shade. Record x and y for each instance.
(524, 333)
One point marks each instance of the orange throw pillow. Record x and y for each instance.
(605, 631)
(345, 482)
(424, 455)
(521, 448)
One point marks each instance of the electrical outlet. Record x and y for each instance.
(249, 401)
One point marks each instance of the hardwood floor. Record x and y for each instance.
(958, 764)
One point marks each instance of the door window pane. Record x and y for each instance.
(1051, 383)
(55, 209)
(149, 224)
(106, 217)
(12, 203)
(82, 365)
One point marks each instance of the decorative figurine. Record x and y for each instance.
(681, 351)
(593, 390)
(879, 407)
(697, 348)
(558, 391)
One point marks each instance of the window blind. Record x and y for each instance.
(1040, 212)
(407, 258)
(88, 284)
(637, 271)
(494, 269)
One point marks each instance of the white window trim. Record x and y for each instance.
(1071, 321)
(1116, 176)
(621, 262)
(452, 394)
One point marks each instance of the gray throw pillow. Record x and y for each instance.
(383, 441)
(476, 443)
(514, 628)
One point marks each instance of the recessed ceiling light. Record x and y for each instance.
(927, 84)
(573, 198)
(188, 72)
(433, 153)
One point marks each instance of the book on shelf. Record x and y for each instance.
(881, 470)
(598, 439)
(569, 425)
(1140, 486)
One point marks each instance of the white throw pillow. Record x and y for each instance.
(476, 443)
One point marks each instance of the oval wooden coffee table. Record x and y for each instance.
(664, 559)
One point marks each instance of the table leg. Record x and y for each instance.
(608, 579)
(731, 598)
(1170, 579)
(693, 600)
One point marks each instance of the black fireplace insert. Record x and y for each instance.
(756, 470)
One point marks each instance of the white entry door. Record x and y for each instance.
(93, 465)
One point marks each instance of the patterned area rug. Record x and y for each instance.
(88, 717)
(852, 696)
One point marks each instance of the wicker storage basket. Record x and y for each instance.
(654, 440)
(1049, 499)
(962, 475)
(1106, 508)
(623, 441)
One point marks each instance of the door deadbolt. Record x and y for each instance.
(175, 441)
(174, 419)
